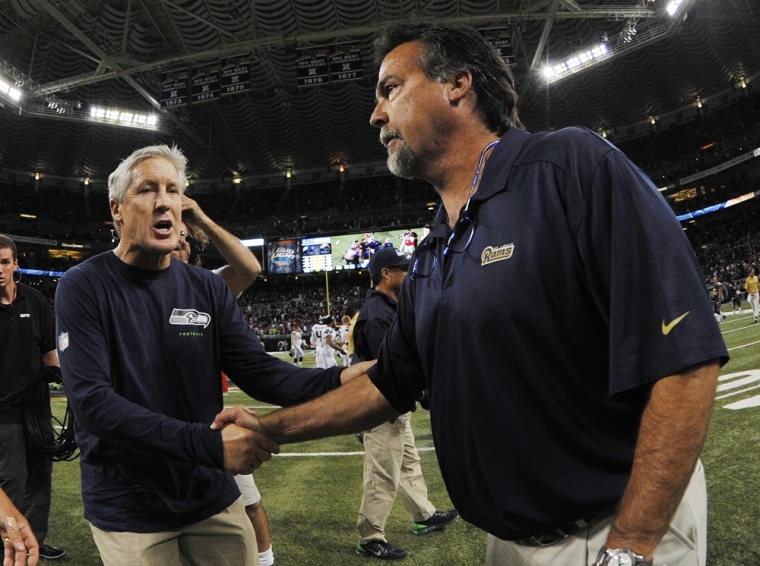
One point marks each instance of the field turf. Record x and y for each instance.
(312, 491)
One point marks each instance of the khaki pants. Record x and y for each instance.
(226, 539)
(685, 543)
(391, 464)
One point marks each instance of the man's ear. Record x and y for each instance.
(460, 84)
(115, 211)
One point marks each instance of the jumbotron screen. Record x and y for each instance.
(353, 251)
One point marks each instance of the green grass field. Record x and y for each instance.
(312, 498)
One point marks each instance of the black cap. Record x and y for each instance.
(386, 257)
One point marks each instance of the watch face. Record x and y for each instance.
(622, 559)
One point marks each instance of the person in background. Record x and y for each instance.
(716, 294)
(351, 310)
(242, 268)
(391, 461)
(296, 343)
(752, 285)
(29, 360)
(329, 344)
(342, 339)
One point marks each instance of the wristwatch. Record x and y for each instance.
(620, 557)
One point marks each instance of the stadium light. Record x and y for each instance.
(11, 92)
(576, 63)
(674, 7)
(117, 117)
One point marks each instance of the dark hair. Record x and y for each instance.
(378, 277)
(6, 242)
(447, 50)
(351, 306)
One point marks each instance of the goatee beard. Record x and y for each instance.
(401, 161)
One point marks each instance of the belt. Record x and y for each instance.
(553, 536)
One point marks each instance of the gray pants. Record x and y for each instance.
(26, 477)
(685, 543)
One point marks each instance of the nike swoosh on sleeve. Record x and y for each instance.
(666, 328)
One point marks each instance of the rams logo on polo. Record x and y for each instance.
(189, 316)
(491, 254)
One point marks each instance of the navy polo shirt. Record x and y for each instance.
(540, 342)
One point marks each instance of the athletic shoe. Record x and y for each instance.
(50, 552)
(382, 550)
(360, 435)
(437, 522)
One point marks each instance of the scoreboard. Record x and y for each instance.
(316, 254)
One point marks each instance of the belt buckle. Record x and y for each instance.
(553, 536)
(546, 539)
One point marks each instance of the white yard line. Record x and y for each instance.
(311, 454)
(743, 346)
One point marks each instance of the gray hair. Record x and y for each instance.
(119, 180)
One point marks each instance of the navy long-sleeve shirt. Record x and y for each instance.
(141, 354)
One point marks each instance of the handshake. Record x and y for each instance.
(247, 443)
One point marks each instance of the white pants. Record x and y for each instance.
(298, 353)
(328, 359)
(318, 358)
(685, 543)
(248, 489)
(754, 303)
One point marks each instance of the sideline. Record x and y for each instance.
(309, 454)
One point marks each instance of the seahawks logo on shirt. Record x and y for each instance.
(189, 316)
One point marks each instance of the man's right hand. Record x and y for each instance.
(244, 448)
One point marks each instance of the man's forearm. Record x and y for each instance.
(358, 405)
(673, 429)
(50, 358)
(242, 266)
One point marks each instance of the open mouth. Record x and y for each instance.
(163, 226)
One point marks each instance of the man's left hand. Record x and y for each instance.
(246, 445)
(18, 539)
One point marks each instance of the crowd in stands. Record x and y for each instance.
(277, 308)
(715, 136)
(726, 242)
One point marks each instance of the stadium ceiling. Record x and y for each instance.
(67, 56)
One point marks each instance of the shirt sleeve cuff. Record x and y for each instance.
(402, 405)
